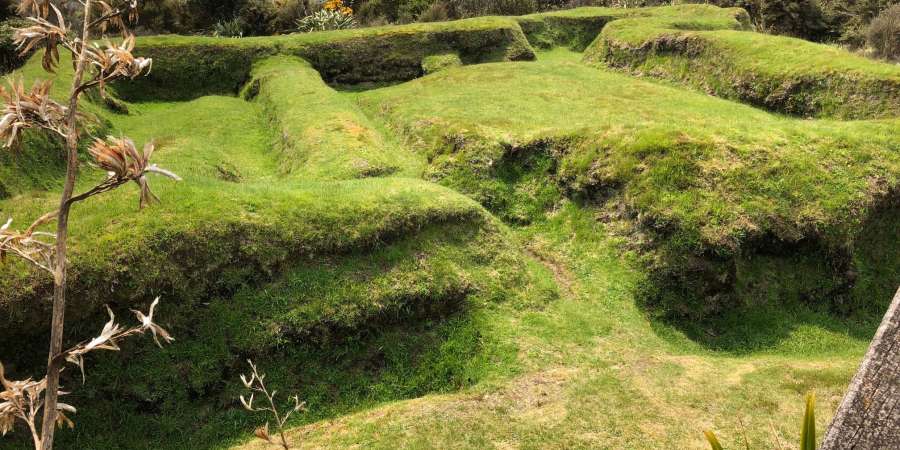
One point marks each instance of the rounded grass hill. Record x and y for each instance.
(594, 228)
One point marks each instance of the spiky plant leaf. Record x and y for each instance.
(713, 441)
(808, 432)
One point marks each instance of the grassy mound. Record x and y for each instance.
(323, 136)
(278, 256)
(303, 238)
(214, 233)
(188, 67)
(697, 173)
(709, 48)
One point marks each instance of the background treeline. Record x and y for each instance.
(848, 22)
(844, 21)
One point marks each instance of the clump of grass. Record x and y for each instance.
(807, 430)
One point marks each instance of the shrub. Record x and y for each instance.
(799, 18)
(9, 52)
(438, 12)
(326, 19)
(849, 21)
(475, 8)
(412, 10)
(257, 16)
(288, 12)
(884, 33)
(229, 28)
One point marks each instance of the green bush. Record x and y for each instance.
(849, 21)
(257, 17)
(475, 8)
(438, 12)
(884, 33)
(799, 18)
(288, 12)
(229, 28)
(9, 54)
(326, 20)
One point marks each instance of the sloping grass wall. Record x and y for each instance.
(708, 187)
(189, 67)
(322, 135)
(712, 50)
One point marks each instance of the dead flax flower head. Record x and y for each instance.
(147, 324)
(37, 247)
(122, 160)
(24, 400)
(38, 7)
(105, 341)
(29, 109)
(117, 61)
(44, 34)
(115, 18)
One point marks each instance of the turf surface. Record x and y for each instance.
(533, 254)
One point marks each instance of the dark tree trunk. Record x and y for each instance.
(869, 415)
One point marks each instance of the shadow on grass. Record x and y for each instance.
(802, 323)
(344, 332)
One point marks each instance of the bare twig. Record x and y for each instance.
(25, 400)
(35, 109)
(256, 384)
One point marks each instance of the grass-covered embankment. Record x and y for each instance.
(254, 257)
(322, 135)
(299, 239)
(709, 185)
(713, 50)
(595, 372)
(188, 67)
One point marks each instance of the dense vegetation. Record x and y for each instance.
(538, 234)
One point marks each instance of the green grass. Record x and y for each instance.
(188, 67)
(596, 373)
(591, 261)
(712, 50)
(279, 256)
(709, 178)
(323, 136)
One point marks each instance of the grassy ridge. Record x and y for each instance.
(188, 67)
(308, 248)
(275, 256)
(710, 49)
(242, 230)
(713, 182)
(323, 136)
